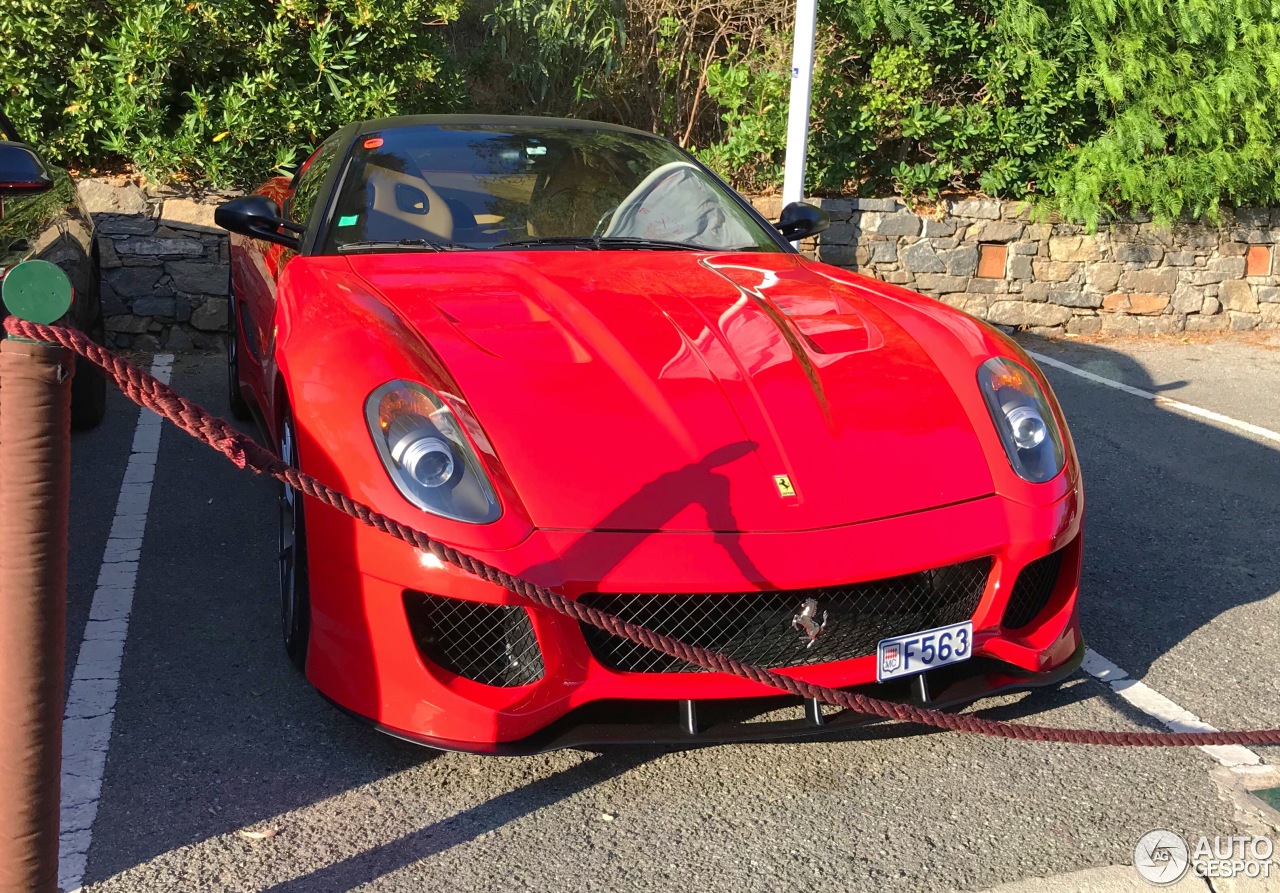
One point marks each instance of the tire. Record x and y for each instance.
(295, 598)
(89, 389)
(239, 407)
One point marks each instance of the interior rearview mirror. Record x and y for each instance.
(21, 170)
(258, 217)
(800, 220)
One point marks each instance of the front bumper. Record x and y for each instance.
(699, 723)
(363, 655)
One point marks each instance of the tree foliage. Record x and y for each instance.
(1089, 106)
(1186, 96)
(930, 96)
(223, 91)
(552, 56)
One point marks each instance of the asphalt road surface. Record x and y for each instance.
(225, 771)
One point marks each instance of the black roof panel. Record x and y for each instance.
(494, 121)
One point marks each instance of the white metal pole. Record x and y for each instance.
(798, 110)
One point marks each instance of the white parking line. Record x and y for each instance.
(1228, 421)
(1138, 694)
(1164, 711)
(91, 702)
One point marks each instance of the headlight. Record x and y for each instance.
(427, 455)
(1023, 419)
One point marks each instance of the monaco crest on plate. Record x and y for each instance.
(890, 659)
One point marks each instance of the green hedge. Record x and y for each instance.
(1088, 106)
(1091, 106)
(1187, 95)
(220, 91)
(928, 96)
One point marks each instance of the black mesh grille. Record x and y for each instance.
(758, 626)
(492, 644)
(1032, 590)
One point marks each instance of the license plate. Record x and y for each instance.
(917, 652)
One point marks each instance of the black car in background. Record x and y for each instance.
(41, 217)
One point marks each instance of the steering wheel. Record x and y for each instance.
(603, 223)
(641, 192)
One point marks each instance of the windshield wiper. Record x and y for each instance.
(402, 244)
(633, 242)
(601, 242)
(571, 241)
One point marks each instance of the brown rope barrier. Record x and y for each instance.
(245, 452)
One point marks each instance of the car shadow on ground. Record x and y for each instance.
(1180, 518)
(483, 818)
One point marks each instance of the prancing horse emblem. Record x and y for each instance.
(807, 621)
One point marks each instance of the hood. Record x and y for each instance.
(637, 390)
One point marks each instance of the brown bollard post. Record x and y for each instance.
(35, 486)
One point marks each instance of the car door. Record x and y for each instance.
(257, 266)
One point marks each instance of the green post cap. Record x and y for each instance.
(37, 291)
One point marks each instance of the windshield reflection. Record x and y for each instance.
(479, 186)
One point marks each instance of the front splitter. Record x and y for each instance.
(690, 724)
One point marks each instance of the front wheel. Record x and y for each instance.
(295, 599)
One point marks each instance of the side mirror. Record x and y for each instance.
(799, 220)
(21, 170)
(258, 217)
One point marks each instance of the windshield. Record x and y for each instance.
(489, 187)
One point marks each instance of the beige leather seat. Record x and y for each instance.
(411, 203)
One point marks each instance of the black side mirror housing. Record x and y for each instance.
(258, 217)
(800, 220)
(21, 170)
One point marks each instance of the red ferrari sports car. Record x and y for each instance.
(571, 350)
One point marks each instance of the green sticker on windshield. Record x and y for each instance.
(349, 220)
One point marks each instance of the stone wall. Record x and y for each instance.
(164, 264)
(991, 259)
(165, 278)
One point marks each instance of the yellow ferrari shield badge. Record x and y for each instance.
(784, 485)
